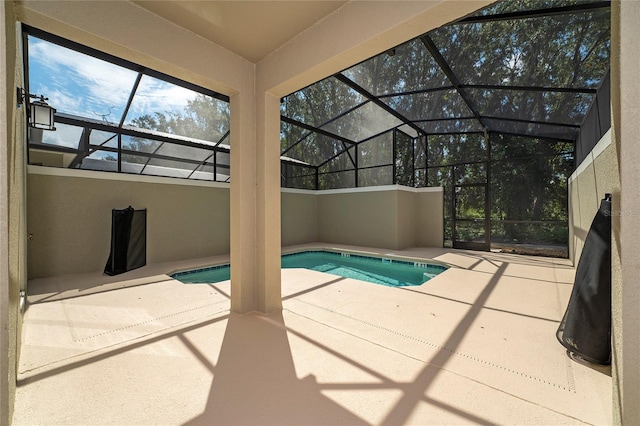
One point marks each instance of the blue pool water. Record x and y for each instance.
(389, 272)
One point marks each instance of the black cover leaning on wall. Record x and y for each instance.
(128, 241)
(585, 329)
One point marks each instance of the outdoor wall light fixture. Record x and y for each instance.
(39, 113)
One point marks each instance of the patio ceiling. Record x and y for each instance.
(251, 29)
(528, 68)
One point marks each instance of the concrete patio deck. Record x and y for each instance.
(475, 345)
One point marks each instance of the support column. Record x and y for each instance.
(243, 204)
(255, 203)
(268, 205)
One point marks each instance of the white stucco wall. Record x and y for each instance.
(70, 218)
(594, 178)
(625, 92)
(393, 217)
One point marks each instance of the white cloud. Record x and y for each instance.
(63, 102)
(82, 85)
(156, 95)
(64, 135)
(101, 83)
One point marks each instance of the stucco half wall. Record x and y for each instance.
(594, 178)
(393, 217)
(299, 220)
(69, 218)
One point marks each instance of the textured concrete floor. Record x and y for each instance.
(475, 345)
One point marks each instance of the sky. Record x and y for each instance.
(85, 86)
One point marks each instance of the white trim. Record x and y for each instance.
(429, 189)
(92, 174)
(362, 189)
(298, 191)
(602, 144)
(379, 189)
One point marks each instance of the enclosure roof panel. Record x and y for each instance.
(405, 68)
(564, 51)
(529, 68)
(321, 102)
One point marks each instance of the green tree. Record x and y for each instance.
(203, 118)
(317, 105)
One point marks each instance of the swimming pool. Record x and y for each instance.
(377, 270)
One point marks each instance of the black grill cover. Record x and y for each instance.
(128, 241)
(585, 329)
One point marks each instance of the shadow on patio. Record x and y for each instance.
(255, 380)
(477, 346)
